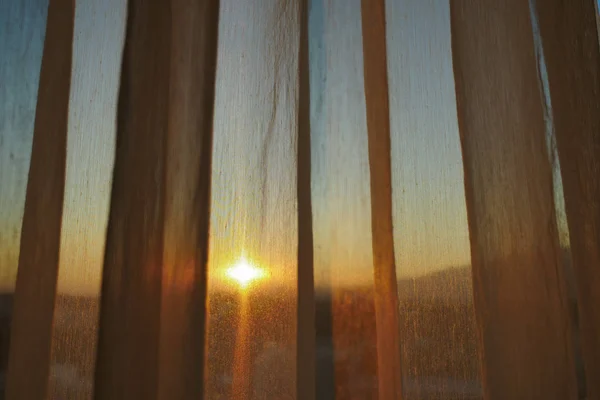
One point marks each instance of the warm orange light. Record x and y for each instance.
(244, 273)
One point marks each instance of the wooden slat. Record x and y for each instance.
(129, 326)
(306, 336)
(31, 333)
(520, 296)
(378, 126)
(187, 201)
(572, 53)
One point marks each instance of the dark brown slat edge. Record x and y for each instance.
(519, 288)
(129, 327)
(187, 201)
(306, 331)
(378, 126)
(570, 40)
(31, 332)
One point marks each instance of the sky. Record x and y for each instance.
(254, 200)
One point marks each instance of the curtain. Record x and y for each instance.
(379, 142)
(515, 254)
(568, 31)
(299, 199)
(39, 253)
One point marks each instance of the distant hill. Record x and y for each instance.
(449, 285)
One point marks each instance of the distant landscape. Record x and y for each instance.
(437, 333)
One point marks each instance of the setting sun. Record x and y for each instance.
(244, 273)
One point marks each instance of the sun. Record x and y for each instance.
(244, 273)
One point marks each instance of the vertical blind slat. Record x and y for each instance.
(520, 296)
(31, 333)
(187, 198)
(572, 53)
(129, 326)
(306, 332)
(378, 127)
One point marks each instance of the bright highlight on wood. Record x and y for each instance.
(244, 273)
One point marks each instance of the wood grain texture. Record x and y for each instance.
(306, 328)
(129, 326)
(187, 198)
(35, 292)
(519, 289)
(572, 53)
(378, 127)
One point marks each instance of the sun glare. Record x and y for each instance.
(244, 273)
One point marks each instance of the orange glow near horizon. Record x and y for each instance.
(244, 272)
